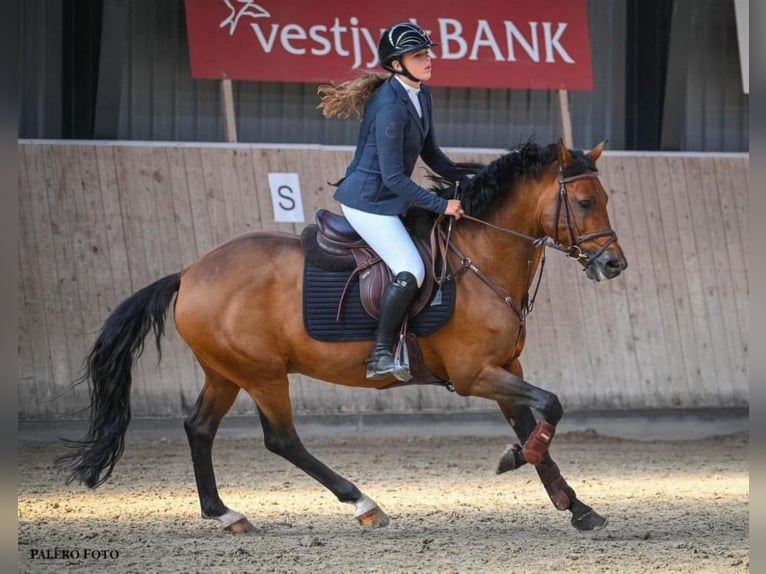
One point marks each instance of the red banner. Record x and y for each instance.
(543, 44)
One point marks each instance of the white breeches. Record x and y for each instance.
(387, 235)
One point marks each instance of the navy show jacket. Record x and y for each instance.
(391, 138)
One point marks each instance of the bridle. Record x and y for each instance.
(572, 251)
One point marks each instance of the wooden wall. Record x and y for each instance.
(99, 221)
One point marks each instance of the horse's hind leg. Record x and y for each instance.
(562, 495)
(213, 403)
(280, 437)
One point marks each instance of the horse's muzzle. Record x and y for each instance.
(606, 266)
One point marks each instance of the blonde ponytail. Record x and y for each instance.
(348, 98)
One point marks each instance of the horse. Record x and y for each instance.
(238, 308)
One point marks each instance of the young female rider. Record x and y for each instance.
(396, 128)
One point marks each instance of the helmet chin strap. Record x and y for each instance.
(405, 72)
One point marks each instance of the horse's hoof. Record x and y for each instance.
(589, 521)
(511, 459)
(374, 518)
(241, 526)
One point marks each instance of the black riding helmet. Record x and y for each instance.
(401, 39)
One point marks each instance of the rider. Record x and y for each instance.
(396, 128)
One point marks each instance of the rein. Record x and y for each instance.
(441, 241)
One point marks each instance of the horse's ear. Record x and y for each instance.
(595, 153)
(562, 153)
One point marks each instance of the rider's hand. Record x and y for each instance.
(454, 208)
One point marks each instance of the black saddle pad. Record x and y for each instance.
(321, 294)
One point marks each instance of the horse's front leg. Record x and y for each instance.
(563, 496)
(516, 397)
(502, 386)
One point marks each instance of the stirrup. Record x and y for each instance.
(380, 365)
(391, 366)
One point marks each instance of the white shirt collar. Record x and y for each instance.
(407, 87)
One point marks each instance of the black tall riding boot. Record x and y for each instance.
(393, 307)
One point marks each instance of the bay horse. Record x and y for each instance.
(239, 310)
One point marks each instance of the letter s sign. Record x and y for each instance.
(286, 197)
(285, 192)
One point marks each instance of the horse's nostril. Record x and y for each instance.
(616, 265)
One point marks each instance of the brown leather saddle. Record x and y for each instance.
(333, 245)
(337, 239)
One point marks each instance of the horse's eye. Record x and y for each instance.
(584, 203)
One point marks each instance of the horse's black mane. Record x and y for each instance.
(492, 181)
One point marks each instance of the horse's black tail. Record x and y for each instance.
(108, 371)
